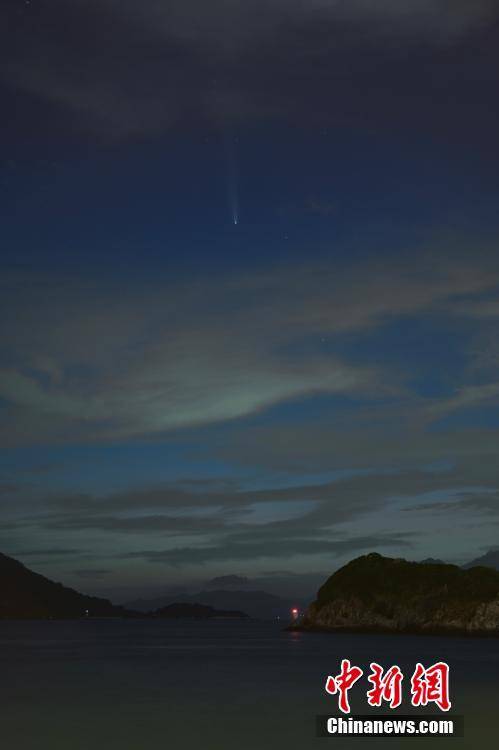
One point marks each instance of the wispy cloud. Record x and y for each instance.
(219, 525)
(279, 548)
(91, 574)
(165, 62)
(205, 352)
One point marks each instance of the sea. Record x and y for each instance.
(216, 685)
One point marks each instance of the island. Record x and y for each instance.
(374, 593)
(198, 612)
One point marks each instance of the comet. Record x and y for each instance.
(232, 178)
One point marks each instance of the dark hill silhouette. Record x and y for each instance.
(258, 604)
(28, 595)
(375, 593)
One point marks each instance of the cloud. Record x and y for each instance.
(230, 24)
(432, 18)
(220, 525)
(48, 552)
(135, 525)
(91, 573)
(125, 68)
(474, 500)
(468, 397)
(90, 360)
(214, 523)
(8, 488)
(148, 359)
(387, 436)
(279, 548)
(346, 497)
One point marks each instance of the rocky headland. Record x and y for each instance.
(381, 594)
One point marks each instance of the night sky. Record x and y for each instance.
(249, 287)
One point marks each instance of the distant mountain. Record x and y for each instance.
(375, 593)
(259, 604)
(490, 560)
(229, 581)
(197, 611)
(28, 595)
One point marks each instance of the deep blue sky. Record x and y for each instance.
(184, 397)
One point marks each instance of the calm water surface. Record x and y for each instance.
(134, 685)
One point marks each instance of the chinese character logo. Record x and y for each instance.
(386, 686)
(342, 683)
(430, 685)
